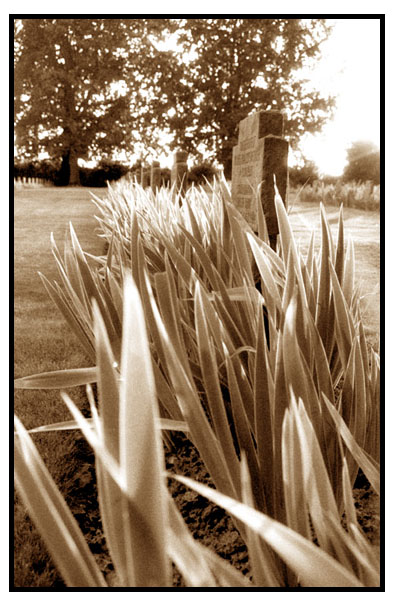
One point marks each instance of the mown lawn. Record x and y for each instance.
(43, 342)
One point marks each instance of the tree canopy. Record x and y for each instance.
(301, 175)
(101, 85)
(363, 162)
(72, 84)
(229, 67)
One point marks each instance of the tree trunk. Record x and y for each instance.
(227, 164)
(225, 156)
(63, 176)
(74, 169)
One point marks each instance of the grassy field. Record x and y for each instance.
(42, 338)
(43, 341)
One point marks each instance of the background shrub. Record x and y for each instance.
(363, 163)
(299, 176)
(202, 172)
(107, 170)
(361, 195)
(43, 169)
(57, 171)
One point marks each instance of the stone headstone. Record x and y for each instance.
(156, 174)
(260, 154)
(179, 172)
(145, 176)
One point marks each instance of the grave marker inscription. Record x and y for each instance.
(260, 154)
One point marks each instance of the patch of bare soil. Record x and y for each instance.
(207, 522)
(214, 528)
(367, 504)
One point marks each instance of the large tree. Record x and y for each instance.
(225, 68)
(363, 162)
(102, 85)
(75, 83)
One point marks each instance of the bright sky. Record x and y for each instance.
(350, 69)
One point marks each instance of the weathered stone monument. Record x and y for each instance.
(156, 175)
(179, 172)
(260, 154)
(145, 176)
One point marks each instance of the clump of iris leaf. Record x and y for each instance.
(283, 415)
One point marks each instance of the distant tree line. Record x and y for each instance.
(57, 172)
(106, 171)
(363, 164)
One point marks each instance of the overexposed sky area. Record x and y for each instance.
(349, 69)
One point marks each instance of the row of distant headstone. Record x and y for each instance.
(259, 160)
(30, 181)
(151, 176)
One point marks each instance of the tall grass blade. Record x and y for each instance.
(288, 242)
(264, 568)
(67, 378)
(339, 262)
(202, 434)
(84, 336)
(141, 453)
(323, 300)
(211, 383)
(52, 516)
(312, 565)
(263, 414)
(243, 432)
(295, 503)
(365, 462)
